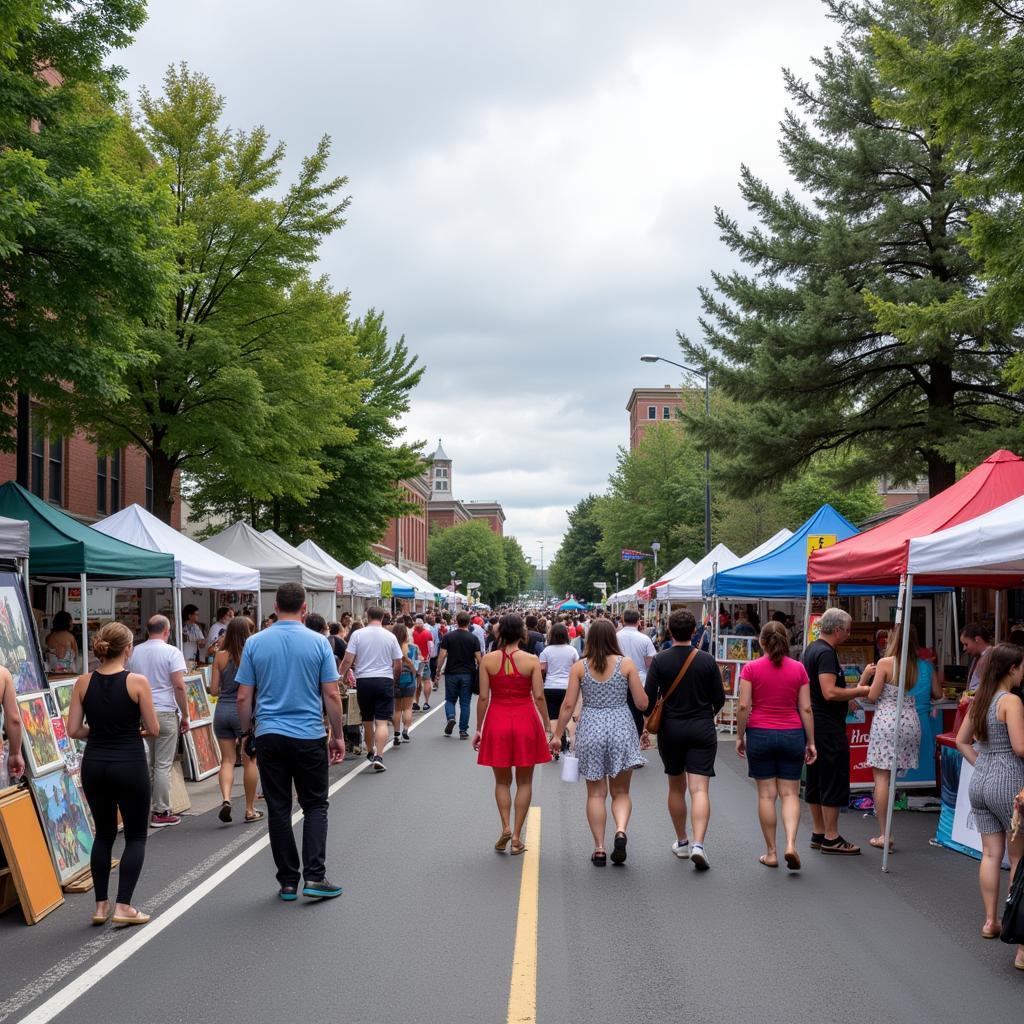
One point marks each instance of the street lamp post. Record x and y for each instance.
(655, 547)
(543, 580)
(707, 450)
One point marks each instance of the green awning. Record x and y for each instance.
(61, 547)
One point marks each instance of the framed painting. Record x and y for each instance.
(66, 823)
(61, 690)
(730, 677)
(198, 704)
(203, 751)
(19, 650)
(42, 754)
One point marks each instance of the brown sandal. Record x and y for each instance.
(518, 848)
(503, 840)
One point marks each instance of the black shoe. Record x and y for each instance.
(415, 707)
(379, 765)
(619, 850)
(369, 757)
(817, 838)
(398, 739)
(463, 735)
(288, 893)
(321, 890)
(449, 727)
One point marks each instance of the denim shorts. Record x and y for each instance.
(775, 753)
(226, 724)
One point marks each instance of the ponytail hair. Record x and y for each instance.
(112, 641)
(774, 641)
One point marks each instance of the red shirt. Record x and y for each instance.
(775, 693)
(572, 632)
(421, 638)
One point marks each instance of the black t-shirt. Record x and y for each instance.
(462, 647)
(535, 642)
(699, 695)
(820, 658)
(339, 646)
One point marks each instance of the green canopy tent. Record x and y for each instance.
(63, 549)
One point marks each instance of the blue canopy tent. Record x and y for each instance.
(572, 605)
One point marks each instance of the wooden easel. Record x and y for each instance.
(28, 869)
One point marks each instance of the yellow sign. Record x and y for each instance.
(819, 541)
(385, 588)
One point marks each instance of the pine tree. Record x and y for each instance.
(848, 332)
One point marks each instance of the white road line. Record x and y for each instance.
(77, 987)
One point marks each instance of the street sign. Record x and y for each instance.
(600, 585)
(473, 586)
(629, 555)
(820, 541)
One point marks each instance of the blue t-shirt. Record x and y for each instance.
(287, 663)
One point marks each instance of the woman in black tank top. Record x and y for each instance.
(108, 709)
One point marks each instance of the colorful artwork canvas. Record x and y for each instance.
(19, 653)
(730, 677)
(68, 751)
(61, 690)
(198, 704)
(852, 674)
(735, 648)
(41, 751)
(204, 750)
(66, 822)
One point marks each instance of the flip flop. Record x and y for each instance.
(517, 850)
(763, 859)
(503, 840)
(986, 934)
(793, 861)
(98, 919)
(599, 858)
(878, 842)
(138, 918)
(256, 816)
(225, 811)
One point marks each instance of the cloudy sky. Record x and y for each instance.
(532, 190)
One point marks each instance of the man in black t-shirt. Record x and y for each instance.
(828, 779)
(458, 660)
(535, 640)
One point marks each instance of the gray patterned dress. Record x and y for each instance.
(606, 740)
(998, 776)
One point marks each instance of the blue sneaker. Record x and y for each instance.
(321, 890)
(288, 893)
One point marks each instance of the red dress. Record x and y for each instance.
(513, 733)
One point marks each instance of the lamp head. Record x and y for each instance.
(649, 359)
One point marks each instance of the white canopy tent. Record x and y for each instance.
(400, 587)
(276, 564)
(677, 570)
(353, 584)
(194, 565)
(629, 593)
(688, 585)
(13, 538)
(425, 585)
(422, 590)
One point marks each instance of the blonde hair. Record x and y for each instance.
(112, 641)
(895, 649)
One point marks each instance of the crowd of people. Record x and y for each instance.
(587, 687)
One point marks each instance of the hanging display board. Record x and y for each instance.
(26, 856)
(19, 651)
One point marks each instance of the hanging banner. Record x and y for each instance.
(628, 555)
(339, 584)
(385, 588)
(820, 541)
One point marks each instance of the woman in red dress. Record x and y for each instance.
(510, 732)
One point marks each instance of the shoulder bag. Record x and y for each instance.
(654, 718)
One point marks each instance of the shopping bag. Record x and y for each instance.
(571, 768)
(1013, 915)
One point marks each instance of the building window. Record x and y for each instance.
(115, 481)
(442, 485)
(149, 484)
(38, 463)
(652, 412)
(101, 483)
(442, 473)
(666, 413)
(56, 470)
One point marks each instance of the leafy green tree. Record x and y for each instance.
(579, 561)
(656, 493)
(84, 250)
(517, 570)
(246, 365)
(849, 332)
(475, 553)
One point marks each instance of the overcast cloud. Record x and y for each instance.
(533, 187)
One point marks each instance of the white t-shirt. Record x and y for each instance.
(375, 650)
(481, 636)
(559, 658)
(191, 634)
(157, 660)
(216, 631)
(637, 646)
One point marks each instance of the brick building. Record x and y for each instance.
(405, 541)
(446, 510)
(647, 406)
(68, 473)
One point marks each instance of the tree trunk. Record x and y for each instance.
(163, 483)
(941, 396)
(24, 441)
(276, 509)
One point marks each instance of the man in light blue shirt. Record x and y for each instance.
(291, 674)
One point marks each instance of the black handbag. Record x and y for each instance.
(1013, 916)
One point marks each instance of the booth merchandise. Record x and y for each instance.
(391, 585)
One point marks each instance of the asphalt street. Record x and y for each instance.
(427, 927)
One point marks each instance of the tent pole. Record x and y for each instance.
(999, 616)
(176, 592)
(956, 626)
(85, 624)
(903, 618)
(259, 608)
(807, 616)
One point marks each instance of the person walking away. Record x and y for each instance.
(886, 733)
(435, 637)
(163, 665)
(534, 637)
(639, 648)
(991, 738)
(61, 645)
(12, 726)
(193, 639)
(226, 726)
(510, 733)
(405, 688)
(687, 739)
(775, 732)
(422, 638)
(294, 676)
(108, 707)
(459, 660)
(556, 661)
(215, 634)
(374, 654)
(606, 742)
(828, 778)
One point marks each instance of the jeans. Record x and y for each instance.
(161, 750)
(284, 760)
(458, 686)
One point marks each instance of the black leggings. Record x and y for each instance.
(110, 787)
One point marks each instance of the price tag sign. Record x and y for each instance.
(820, 541)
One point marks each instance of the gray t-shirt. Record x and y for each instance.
(157, 661)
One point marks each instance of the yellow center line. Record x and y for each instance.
(522, 996)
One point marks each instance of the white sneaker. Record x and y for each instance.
(699, 858)
(681, 850)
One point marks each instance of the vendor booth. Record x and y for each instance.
(687, 586)
(629, 595)
(424, 586)
(391, 586)
(276, 564)
(423, 593)
(353, 586)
